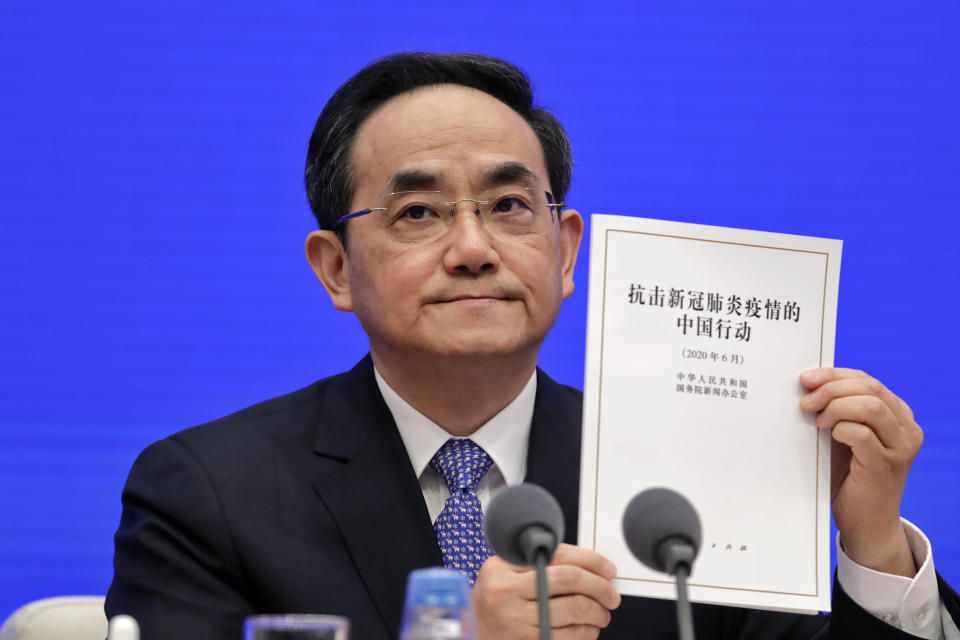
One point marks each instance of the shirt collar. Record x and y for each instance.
(504, 437)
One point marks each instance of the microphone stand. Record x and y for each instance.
(543, 594)
(539, 543)
(678, 556)
(684, 614)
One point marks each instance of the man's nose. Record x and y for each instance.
(470, 248)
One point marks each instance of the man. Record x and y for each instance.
(437, 187)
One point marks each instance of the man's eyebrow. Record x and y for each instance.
(510, 172)
(412, 180)
(422, 180)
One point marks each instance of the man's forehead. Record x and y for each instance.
(437, 131)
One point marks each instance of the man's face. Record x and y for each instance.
(467, 293)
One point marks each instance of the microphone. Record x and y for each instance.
(524, 525)
(662, 529)
(521, 521)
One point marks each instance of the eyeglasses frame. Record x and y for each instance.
(553, 206)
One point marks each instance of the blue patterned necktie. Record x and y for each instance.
(462, 462)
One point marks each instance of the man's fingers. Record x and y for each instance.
(579, 571)
(850, 394)
(565, 611)
(566, 580)
(584, 558)
(505, 596)
(829, 384)
(828, 388)
(813, 378)
(575, 632)
(862, 440)
(572, 571)
(869, 411)
(578, 610)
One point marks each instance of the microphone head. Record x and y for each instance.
(513, 511)
(654, 516)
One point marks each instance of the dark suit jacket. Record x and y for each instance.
(307, 503)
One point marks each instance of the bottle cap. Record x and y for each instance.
(437, 587)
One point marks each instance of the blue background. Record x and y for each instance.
(153, 215)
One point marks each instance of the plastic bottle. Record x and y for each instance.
(437, 607)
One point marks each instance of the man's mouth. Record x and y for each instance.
(474, 299)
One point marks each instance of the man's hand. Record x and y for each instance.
(581, 596)
(875, 440)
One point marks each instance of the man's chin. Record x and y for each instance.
(482, 345)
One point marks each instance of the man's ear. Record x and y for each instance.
(328, 259)
(571, 233)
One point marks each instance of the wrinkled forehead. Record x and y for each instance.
(444, 137)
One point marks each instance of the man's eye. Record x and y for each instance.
(509, 205)
(416, 212)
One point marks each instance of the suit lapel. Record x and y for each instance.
(364, 477)
(553, 459)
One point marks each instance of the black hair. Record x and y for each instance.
(328, 175)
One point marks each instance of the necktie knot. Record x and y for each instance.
(461, 463)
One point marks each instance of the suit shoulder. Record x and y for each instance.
(292, 417)
(559, 407)
(549, 390)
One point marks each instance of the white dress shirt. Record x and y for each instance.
(912, 605)
(504, 437)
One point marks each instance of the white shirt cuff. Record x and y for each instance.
(912, 605)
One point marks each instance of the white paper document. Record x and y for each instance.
(696, 337)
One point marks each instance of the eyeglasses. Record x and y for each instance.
(418, 216)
